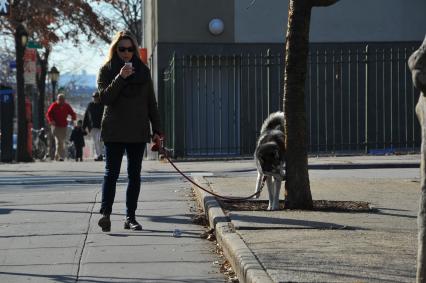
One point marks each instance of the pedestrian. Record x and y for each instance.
(57, 116)
(126, 89)
(92, 121)
(77, 138)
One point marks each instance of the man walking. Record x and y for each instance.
(57, 116)
(92, 121)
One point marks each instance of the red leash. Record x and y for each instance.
(162, 149)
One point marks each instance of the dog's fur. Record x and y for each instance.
(270, 157)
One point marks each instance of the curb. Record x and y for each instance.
(345, 166)
(243, 261)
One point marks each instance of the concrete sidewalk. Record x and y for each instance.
(49, 233)
(48, 230)
(307, 246)
(218, 167)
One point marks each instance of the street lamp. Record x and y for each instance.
(21, 38)
(24, 37)
(216, 26)
(54, 78)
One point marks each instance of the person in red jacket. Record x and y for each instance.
(57, 116)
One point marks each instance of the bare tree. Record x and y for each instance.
(6, 56)
(297, 187)
(48, 21)
(417, 65)
(126, 14)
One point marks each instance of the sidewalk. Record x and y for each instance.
(307, 246)
(49, 232)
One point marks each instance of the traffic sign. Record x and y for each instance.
(6, 91)
(12, 64)
(6, 95)
(4, 7)
(34, 44)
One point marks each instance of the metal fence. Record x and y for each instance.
(358, 98)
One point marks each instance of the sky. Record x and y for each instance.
(68, 58)
(85, 58)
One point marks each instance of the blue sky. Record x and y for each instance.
(68, 58)
(71, 59)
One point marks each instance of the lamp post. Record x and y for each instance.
(54, 78)
(21, 38)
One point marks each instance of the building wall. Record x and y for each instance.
(181, 27)
(366, 20)
(150, 25)
(262, 21)
(346, 21)
(187, 20)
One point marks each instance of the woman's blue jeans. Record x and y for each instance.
(114, 154)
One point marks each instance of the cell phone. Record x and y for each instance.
(128, 64)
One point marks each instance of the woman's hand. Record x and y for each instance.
(156, 137)
(126, 71)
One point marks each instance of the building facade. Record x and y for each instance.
(357, 58)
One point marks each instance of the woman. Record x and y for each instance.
(125, 88)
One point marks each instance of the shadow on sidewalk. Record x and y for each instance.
(100, 279)
(380, 211)
(286, 223)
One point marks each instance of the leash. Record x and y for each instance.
(162, 149)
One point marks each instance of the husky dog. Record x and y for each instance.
(270, 157)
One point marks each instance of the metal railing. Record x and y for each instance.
(358, 99)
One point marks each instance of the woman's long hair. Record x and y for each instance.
(119, 36)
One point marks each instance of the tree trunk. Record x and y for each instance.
(421, 219)
(417, 65)
(22, 154)
(297, 189)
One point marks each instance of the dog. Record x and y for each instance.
(270, 158)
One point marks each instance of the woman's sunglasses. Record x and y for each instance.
(123, 49)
